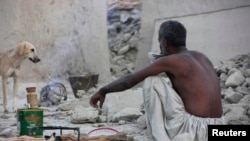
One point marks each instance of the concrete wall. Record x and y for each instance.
(218, 28)
(70, 36)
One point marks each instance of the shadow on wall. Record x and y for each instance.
(65, 35)
(60, 60)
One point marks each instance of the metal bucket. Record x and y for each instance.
(29, 118)
(83, 83)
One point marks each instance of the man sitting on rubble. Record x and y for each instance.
(185, 107)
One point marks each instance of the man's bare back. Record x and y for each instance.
(197, 84)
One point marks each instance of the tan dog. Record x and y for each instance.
(10, 63)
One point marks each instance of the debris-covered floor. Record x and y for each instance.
(123, 111)
(64, 115)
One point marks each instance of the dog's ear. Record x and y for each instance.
(21, 47)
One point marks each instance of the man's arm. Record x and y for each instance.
(164, 64)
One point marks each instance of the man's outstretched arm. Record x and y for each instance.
(130, 80)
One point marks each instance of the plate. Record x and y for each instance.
(102, 131)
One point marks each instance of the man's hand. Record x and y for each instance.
(95, 98)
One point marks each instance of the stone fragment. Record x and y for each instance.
(235, 79)
(127, 114)
(84, 115)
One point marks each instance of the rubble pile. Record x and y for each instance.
(234, 77)
(124, 21)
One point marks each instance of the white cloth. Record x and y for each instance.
(166, 116)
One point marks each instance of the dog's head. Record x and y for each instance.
(27, 50)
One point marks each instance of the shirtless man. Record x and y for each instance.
(190, 72)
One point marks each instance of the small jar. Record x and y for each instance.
(32, 97)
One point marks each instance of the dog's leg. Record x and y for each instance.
(4, 85)
(15, 89)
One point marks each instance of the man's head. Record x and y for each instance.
(171, 33)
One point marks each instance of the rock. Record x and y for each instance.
(248, 72)
(70, 105)
(141, 122)
(228, 91)
(102, 118)
(121, 122)
(84, 115)
(235, 79)
(235, 113)
(136, 16)
(113, 15)
(66, 107)
(248, 81)
(4, 116)
(226, 66)
(130, 66)
(133, 42)
(127, 114)
(232, 70)
(233, 97)
(245, 100)
(98, 125)
(238, 122)
(123, 50)
(248, 112)
(243, 90)
(126, 37)
(124, 17)
(115, 102)
(5, 132)
(116, 58)
(223, 77)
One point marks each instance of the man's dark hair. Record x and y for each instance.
(173, 32)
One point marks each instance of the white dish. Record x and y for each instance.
(102, 131)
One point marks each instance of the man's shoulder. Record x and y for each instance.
(186, 56)
(192, 54)
(195, 52)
